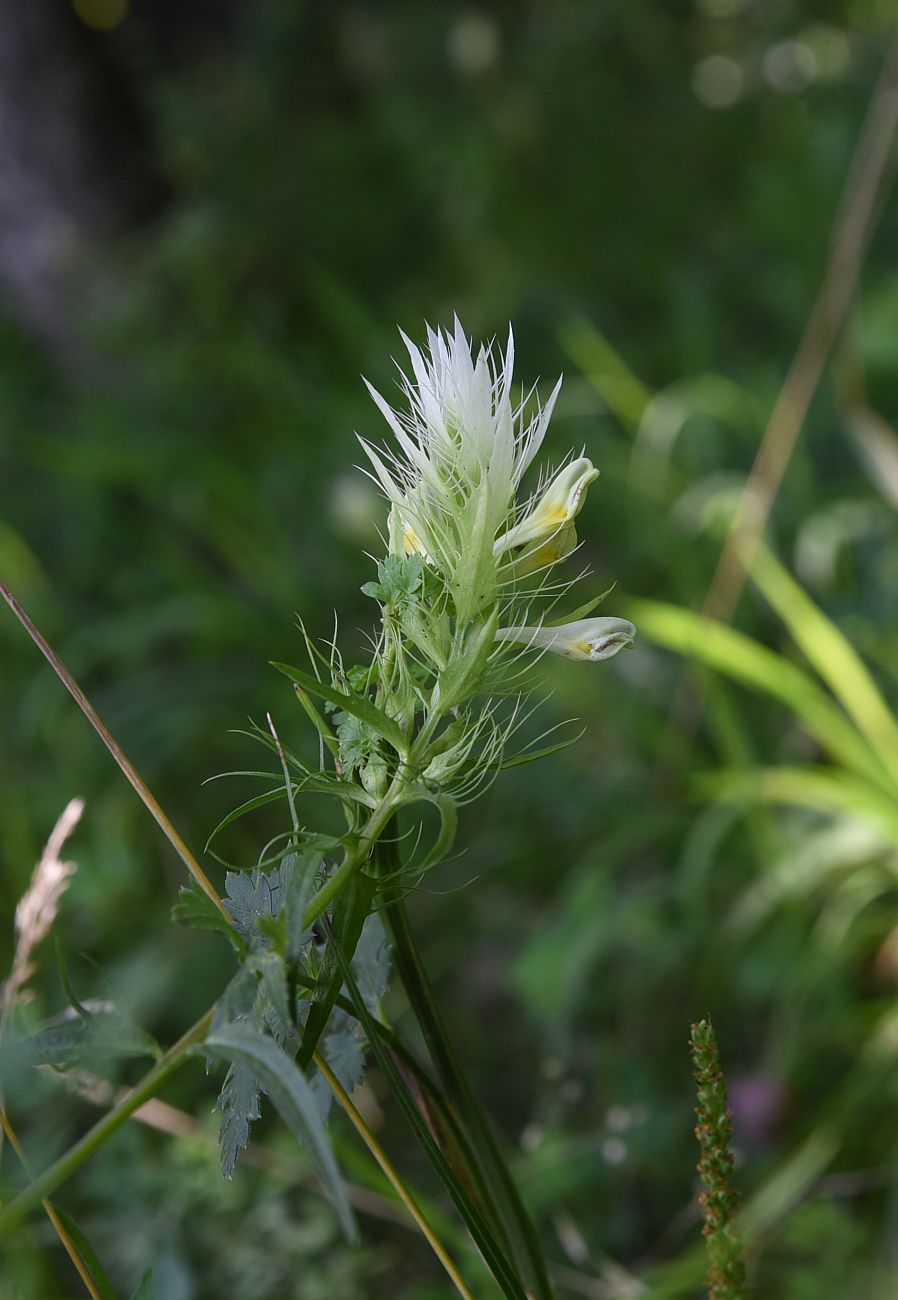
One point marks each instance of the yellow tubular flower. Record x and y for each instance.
(554, 511)
(587, 640)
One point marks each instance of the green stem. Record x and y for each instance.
(420, 994)
(75, 1157)
(356, 858)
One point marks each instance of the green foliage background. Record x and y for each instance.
(174, 496)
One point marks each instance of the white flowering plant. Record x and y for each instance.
(467, 591)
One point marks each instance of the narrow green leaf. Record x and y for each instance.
(350, 702)
(349, 915)
(145, 1289)
(582, 611)
(89, 1256)
(534, 755)
(298, 891)
(319, 722)
(479, 1230)
(294, 1100)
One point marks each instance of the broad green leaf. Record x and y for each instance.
(292, 1097)
(731, 652)
(350, 702)
(89, 1256)
(831, 654)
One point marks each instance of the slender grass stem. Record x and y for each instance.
(398, 1185)
(74, 1158)
(124, 763)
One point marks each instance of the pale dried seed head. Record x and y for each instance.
(38, 907)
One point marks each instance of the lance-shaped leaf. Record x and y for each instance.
(349, 702)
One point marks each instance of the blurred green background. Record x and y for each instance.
(244, 203)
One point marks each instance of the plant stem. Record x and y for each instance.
(72, 1160)
(59, 1227)
(389, 1169)
(420, 994)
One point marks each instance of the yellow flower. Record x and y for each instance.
(588, 639)
(547, 529)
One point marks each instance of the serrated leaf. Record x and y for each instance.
(357, 740)
(101, 1282)
(371, 964)
(238, 1102)
(251, 896)
(398, 582)
(238, 999)
(345, 1053)
(350, 702)
(292, 1097)
(273, 975)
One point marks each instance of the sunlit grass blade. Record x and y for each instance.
(831, 654)
(747, 661)
(820, 789)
